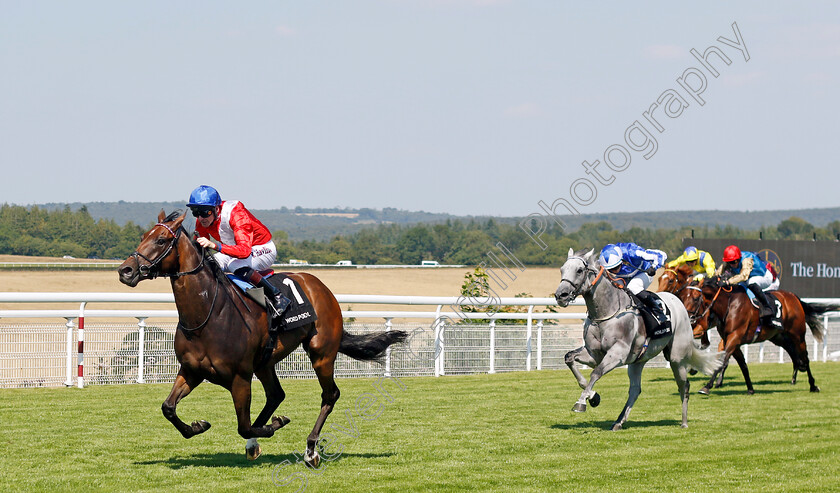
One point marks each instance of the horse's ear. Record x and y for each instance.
(161, 216)
(177, 223)
(571, 252)
(588, 254)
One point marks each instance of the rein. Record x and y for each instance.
(152, 269)
(602, 273)
(711, 303)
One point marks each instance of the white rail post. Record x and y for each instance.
(539, 344)
(69, 380)
(388, 326)
(439, 329)
(492, 346)
(141, 346)
(529, 334)
(81, 350)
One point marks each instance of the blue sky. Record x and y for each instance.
(459, 106)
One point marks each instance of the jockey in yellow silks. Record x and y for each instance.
(699, 260)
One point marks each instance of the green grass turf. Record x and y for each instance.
(503, 432)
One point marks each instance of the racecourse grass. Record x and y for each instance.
(502, 432)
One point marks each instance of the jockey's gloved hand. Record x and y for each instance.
(651, 271)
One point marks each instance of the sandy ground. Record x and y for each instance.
(535, 281)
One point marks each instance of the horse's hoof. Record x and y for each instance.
(616, 427)
(579, 408)
(278, 422)
(595, 400)
(684, 425)
(751, 392)
(252, 449)
(704, 391)
(815, 389)
(199, 427)
(312, 460)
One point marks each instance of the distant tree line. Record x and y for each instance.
(459, 242)
(41, 232)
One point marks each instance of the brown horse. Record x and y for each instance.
(730, 309)
(675, 279)
(221, 335)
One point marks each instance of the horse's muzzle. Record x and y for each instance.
(129, 274)
(563, 299)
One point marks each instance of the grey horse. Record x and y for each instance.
(613, 335)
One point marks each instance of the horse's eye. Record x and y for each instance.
(161, 241)
(580, 269)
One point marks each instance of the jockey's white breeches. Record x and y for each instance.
(639, 282)
(764, 282)
(261, 258)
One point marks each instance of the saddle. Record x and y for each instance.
(776, 320)
(655, 314)
(300, 311)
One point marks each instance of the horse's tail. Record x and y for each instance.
(705, 361)
(370, 347)
(812, 316)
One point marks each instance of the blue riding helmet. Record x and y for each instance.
(611, 256)
(204, 196)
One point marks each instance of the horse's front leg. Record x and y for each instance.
(634, 372)
(241, 391)
(615, 357)
(581, 355)
(184, 384)
(274, 395)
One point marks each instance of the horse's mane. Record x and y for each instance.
(173, 215)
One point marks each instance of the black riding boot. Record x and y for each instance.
(655, 309)
(765, 311)
(278, 302)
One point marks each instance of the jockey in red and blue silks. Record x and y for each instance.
(243, 244)
(751, 272)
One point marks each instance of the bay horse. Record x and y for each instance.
(674, 280)
(710, 302)
(221, 335)
(613, 335)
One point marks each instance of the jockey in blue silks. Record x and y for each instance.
(637, 266)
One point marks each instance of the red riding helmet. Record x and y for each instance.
(731, 253)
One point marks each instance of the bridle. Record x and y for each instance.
(577, 289)
(695, 314)
(676, 278)
(599, 274)
(151, 269)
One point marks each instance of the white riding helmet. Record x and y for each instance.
(610, 257)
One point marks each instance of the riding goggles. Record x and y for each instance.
(202, 212)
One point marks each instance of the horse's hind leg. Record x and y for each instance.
(634, 372)
(324, 367)
(274, 395)
(184, 384)
(681, 376)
